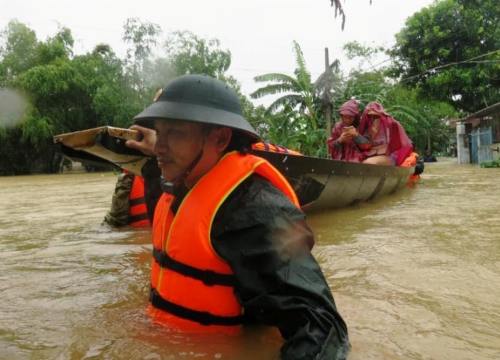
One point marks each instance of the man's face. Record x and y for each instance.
(178, 143)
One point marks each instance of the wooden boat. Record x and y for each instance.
(102, 145)
(320, 183)
(324, 184)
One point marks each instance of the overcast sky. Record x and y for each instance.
(259, 33)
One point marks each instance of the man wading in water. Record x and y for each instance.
(231, 245)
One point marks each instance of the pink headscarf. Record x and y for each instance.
(349, 108)
(399, 144)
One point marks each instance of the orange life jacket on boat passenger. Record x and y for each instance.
(192, 288)
(138, 212)
(411, 161)
(264, 146)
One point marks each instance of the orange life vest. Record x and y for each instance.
(411, 161)
(138, 212)
(264, 146)
(192, 288)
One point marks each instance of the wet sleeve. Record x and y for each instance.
(152, 186)
(118, 213)
(267, 243)
(334, 146)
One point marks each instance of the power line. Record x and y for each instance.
(378, 64)
(468, 61)
(445, 65)
(452, 64)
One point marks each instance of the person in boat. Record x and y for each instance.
(389, 143)
(128, 204)
(230, 244)
(345, 143)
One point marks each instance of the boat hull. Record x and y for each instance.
(326, 184)
(319, 183)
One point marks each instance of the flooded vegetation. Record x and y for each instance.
(415, 275)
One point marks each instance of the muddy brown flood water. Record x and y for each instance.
(416, 275)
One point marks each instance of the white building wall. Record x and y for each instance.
(463, 155)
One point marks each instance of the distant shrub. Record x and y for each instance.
(490, 164)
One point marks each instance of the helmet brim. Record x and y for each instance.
(169, 110)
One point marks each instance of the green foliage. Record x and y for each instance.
(65, 93)
(142, 38)
(58, 47)
(190, 54)
(18, 53)
(451, 51)
(298, 90)
(295, 109)
(69, 93)
(36, 129)
(187, 53)
(355, 49)
(365, 87)
(490, 164)
(289, 128)
(423, 119)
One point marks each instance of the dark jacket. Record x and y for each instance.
(267, 243)
(118, 214)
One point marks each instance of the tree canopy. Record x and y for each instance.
(451, 51)
(60, 92)
(65, 93)
(298, 101)
(446, 58)
(297, 115)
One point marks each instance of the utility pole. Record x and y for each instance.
(326, 95)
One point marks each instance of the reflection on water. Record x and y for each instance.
(415, 275)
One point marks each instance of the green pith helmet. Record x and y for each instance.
(201, 99)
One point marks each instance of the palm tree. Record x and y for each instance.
(339, 10)
(298, 90)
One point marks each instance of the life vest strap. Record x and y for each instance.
(135, 218)
(137, 201)
(202, 317)
(208, 277)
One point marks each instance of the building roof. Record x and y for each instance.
(490, 110)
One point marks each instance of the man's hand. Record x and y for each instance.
(146, 144)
